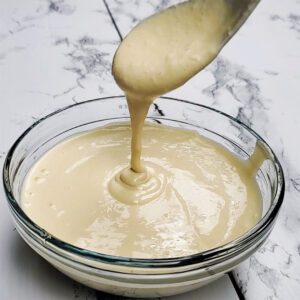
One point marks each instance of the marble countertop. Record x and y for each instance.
(57, 52)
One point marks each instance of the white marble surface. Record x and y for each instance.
(54, 53)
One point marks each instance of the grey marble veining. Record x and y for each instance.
(56, 53)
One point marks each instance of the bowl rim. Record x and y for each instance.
(214, 254)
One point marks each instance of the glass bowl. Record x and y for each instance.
(141, 277)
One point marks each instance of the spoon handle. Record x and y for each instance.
(241, 10)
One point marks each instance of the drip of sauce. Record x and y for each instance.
(166, 50)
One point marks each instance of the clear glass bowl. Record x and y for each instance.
(129, 276)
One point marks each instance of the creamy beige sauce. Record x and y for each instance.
(189, 195)
(167, 49)
(199, 196)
